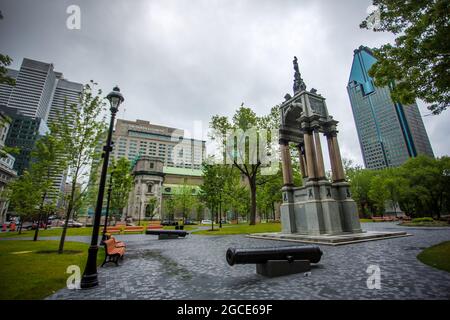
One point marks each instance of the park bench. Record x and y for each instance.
(112, 253)
(278, 261)
(154, 226)
(133, 229)
(118, 244)
(167, 234)
(113, 230)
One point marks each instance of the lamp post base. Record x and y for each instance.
(90, 279)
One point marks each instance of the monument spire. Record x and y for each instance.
(299, 84)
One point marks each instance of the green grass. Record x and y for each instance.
(41, 272)
(437, 256)
(186, 228)
(434, 223)
(241, 229)
(52, 232)
(365, 220)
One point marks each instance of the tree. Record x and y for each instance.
(24, 197)
(418, 64)
(47, 161)
(378, 193)
(5, 61)
(169, 207)
(239, 140)
(34, 195)
(5, 79)
(427, 185)
(212, 187)
(185, 199)
(82, 131)
(360, 182)
(122, 183)
(150, 209)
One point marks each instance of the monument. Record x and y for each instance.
(320, 211)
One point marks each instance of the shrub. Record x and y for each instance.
(423, 219)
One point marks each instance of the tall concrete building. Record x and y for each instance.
(389, 133)
(137, 138)
(7, 173)
(40, 94)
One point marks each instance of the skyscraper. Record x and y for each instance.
(389, 133)
(39, 95)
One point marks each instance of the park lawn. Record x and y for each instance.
(437, 256)
(434, 223)
(365, 220)
(33, 275)
(186, 227)
(52, 232)
(241, 229)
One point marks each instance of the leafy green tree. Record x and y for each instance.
(34, 195)
(378, 193)
(5, 79)
(82, 129)
(5, 61)
(24, 197)
(212, 188)
(185, 200)
(47, 161)
(150, 211)
(427, 185)
(360, 182)
(417, 65)
(122, 183)
(169, 207)
(246, 158)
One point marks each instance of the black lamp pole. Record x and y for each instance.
(108, 200)
(90, 279)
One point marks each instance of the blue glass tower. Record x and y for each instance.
(389, 133)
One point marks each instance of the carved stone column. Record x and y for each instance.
(340, 174)
(331, 153)
(319, 156)
(301, 158)
(310, 154)
(286, 163)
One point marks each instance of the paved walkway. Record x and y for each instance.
(195, 268)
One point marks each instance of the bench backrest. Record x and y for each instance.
(109, 245)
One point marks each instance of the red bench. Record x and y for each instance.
(133, 229)
(118, 244)
(112, 253)
(154, 226)
(113, 230)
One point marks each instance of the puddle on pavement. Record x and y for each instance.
(169, 266)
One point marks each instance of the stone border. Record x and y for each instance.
(335, 240)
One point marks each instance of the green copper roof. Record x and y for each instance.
(183, 171)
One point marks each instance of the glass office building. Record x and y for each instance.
(389, 133)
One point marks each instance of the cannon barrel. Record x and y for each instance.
(261, 255)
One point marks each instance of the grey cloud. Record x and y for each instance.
(181, 61)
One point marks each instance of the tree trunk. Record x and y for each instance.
(69, 211)
(36, 233)
(252, 182)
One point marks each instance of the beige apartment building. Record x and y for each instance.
(138, 138)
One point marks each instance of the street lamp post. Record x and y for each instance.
(90, 279)
(108, 200)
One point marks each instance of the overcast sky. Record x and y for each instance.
(182, 61)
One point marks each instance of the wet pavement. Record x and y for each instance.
(196, 268)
